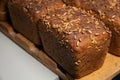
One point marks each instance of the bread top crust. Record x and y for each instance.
(107, 10)
(36, 8)
(76, 27)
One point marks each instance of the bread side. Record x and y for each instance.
(25, 14)
(109, 12)
(76, 40)
(3, 10)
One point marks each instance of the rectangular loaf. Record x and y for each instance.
(109, 12)
(73, 38)
(76, 40)
(25, 14)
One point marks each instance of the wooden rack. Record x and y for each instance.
(110, 68)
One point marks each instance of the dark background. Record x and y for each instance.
(117, 77)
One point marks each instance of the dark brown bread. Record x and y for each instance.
(109, 12)
(25, 14)
(3, 10)
(76, 40)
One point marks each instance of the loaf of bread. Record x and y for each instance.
(3, 10)
(76, 40)
(73, 38)
(25, 14)
(109, 12)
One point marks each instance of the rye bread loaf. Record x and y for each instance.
(76, 40)
(25, 14)
(3, 10)
(109, 12)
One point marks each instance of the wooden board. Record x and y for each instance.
(110, 68)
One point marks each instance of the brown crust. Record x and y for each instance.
(3, 10)
(25, 14)
(76, 39)
(3, 5)
(109, 12)
(36, 8)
